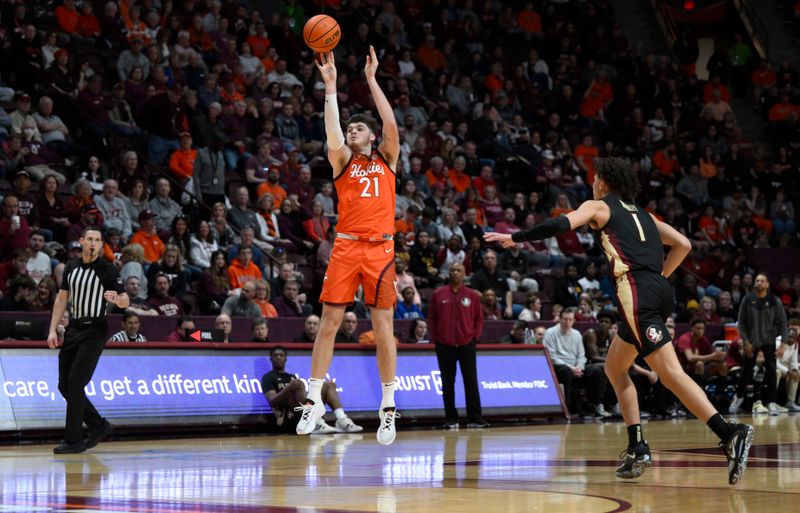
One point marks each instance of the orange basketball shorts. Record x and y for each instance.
(354, 263)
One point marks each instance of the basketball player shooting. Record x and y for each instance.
(633, 242)
(363, 253)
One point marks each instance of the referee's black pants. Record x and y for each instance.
(77, 360)
(766, 394)
(466, 357)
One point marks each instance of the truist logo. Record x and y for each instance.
(357, 171)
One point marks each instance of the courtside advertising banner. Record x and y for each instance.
(165, 387)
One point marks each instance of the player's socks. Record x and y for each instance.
(315, 390)
(635, 435)
(721, 427)
(339, 413)
(387, 401)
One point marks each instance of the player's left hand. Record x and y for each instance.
(110, 296)
(503, 239)
(371, 67)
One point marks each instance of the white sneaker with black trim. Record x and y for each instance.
(323, 428)
(386, 431)
(346, 425)
(310, 417)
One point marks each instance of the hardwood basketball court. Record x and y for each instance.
(553, 467)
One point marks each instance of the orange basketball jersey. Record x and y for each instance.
(366, 190)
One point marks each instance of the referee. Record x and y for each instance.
(87, 285)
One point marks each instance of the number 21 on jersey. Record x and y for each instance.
(369, 184)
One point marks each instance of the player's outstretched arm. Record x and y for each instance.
(338, 152)
(390, 145)
(679, 246)
(590, 212)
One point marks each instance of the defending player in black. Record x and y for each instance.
(87, 285)
(633, 242)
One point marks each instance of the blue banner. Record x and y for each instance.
(142, 387)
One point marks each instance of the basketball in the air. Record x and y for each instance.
(322, 33)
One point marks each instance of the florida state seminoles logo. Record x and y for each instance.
(654, 334)
(466, 301)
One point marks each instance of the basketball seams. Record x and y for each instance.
(328, 38)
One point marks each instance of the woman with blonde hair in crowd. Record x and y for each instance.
(220, 229)
(82, 195)
(170, 264)
(133, 265)
(262, 299)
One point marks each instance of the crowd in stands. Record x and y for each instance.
(190, 131)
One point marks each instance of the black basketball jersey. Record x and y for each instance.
(630, 239)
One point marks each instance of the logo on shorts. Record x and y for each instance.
(654, 334)
(466, 301)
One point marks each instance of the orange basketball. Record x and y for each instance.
(322, 33)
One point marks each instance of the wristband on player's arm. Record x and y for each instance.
(545, 229)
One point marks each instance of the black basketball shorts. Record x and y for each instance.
(645, 301)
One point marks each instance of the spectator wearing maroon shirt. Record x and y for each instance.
(302, 188)
(162, 301)
(455, 323)
(696, 353)
(14, 230)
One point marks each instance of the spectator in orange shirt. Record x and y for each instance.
(585, 154)
(529, 20)
(148, 238)
(405, 224)
(273, 186)
(597, 97)
(782, 109)
(666, 163)
(494, 81)
(429, 57)
(457, 178)
(181, 163)
(763, 79)
(67, 17)
(263, 293)
(484, 180)
(88, 26)
(259, 42)
(715, 85)
(136, 27)
(242, 269)
(437, 174)
(708, 167)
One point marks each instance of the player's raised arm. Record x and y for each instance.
(338, 152)
(679, 246)
(591, 212)
(390, 145)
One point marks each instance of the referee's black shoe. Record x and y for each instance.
(70, 448)
(635, 460)
(737, 450)
(99, 434)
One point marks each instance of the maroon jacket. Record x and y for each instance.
(455, 318)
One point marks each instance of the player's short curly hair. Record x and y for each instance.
(371, 123)
(618, 174)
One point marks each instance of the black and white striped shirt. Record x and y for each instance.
(121, 336)
(86, 284)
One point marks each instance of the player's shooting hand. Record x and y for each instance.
(371, 67)
(503, 239)
(52, 340)
(326, 65)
